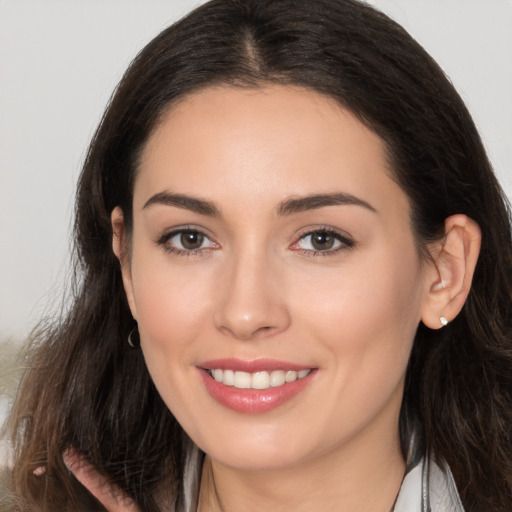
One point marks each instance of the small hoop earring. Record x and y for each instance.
(134, 338)
(443, 321)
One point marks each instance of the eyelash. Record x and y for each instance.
(164, 242)
(345, 242)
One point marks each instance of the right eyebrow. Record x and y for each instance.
(183, 201)
(315, 201)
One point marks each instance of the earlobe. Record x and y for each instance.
(120, 248)
(451, 274)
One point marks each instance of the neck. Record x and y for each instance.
(361, 477)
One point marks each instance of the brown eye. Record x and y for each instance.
(322, 241)
(191, 240)
(186, 242)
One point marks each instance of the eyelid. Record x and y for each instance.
(346, 241)
(163, 240)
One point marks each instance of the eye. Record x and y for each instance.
(185, 241)
(322, 240)
(189, 240)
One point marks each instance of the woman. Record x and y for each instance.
(288, 214)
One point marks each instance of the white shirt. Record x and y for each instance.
(428, 488)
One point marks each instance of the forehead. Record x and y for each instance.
(246, 145)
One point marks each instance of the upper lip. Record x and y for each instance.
(252, 366)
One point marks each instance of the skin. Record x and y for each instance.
(258, 289)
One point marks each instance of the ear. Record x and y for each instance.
(120, 246)
(450, 275)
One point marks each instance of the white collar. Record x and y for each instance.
(428, 488)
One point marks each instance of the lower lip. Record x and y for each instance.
(253, 400)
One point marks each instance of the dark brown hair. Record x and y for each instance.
(85, 388)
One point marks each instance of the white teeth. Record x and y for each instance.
(277, 378)
(260, 380)
(229, 377)
(242, 380)
(257, 380)
(291, 376)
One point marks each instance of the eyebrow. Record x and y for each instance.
(312, 202)
(285, 208)
(183, 201)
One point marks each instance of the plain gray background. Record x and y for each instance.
(61, 59)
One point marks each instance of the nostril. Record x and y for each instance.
(264, 331)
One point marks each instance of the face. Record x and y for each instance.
(274, 276)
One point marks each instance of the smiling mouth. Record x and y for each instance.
(257, 380)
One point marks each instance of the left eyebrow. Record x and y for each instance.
(312, 202)
(183, 201)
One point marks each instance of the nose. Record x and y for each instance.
(251, 300)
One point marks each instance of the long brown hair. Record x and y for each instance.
(86, 389)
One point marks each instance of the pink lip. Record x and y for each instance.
(256, 365)
(252, 400)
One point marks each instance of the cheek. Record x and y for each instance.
(382, 292)
(367, 317)
(165, 301)
(171, 316)
(171, 310)
(166, 292)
